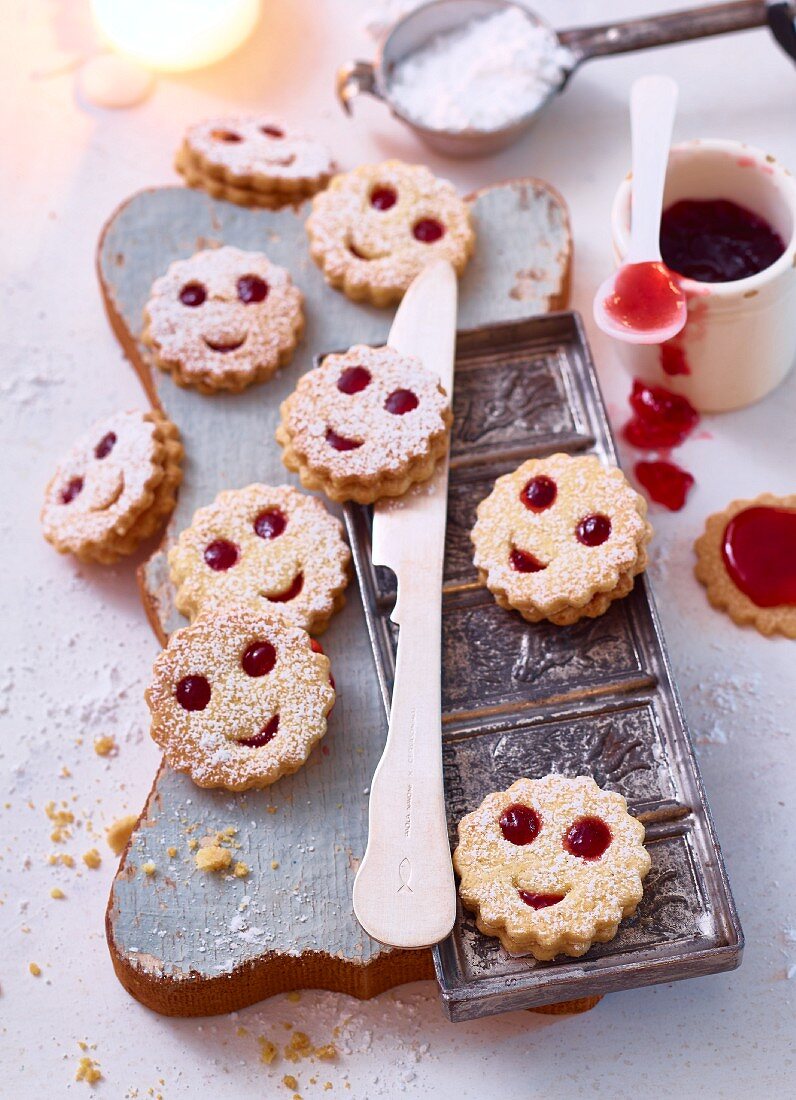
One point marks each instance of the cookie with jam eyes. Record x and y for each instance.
(253, 161)
(115, 488)
(374, 229)
(268, 547)
(239, 698)
(551, 865)
(561, 538)
(223, 319)
(365, 425)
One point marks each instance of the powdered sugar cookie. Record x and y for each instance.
(372, 230)
(561, 538)
(223, 319)
(239, 698)
(253, 161)
(365, 425)
(263, 546)
(551, 865)
(746, 560)
(115, 488)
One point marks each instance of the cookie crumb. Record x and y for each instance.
(148, 868)
(268, 1050)
(34, 969)
(289, 1081)
(57, 893)
(274, 864)
(326, 1053)
(92, 858)
(171, 851)
(240, 869)
(105, 746)
(294, 994)
(88, 1070)
(62, 821)
(120, 832)
(213, 858)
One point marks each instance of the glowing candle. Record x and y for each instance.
(175, 35)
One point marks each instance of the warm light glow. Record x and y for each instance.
(174, 35)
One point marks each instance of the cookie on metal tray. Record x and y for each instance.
(551, 865)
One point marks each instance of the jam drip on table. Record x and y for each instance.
(662, 419)
(759, 551)
(665, 483)
(646, 297)
(717, 241)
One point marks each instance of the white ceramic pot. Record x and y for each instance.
(740, 338)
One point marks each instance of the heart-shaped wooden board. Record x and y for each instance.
(190, 943)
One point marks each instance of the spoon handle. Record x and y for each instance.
(653, 101)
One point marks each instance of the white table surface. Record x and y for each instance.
(77, 649)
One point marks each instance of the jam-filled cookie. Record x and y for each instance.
(254, 161)
(551, 865)
(365, 425)
(239, 698)
(561, 538)
(746, 560)
(223, 319)
(372, 230)
(116, 487)
(263, 546)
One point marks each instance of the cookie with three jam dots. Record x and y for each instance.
(551, 865)
(115, 488)
(372, 230)
(263, 546)
(253, 161)
(746, 559)
(223, 319)
(364, 425)
(239, 698)
(560, 538)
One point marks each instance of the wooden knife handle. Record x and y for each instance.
(404, 892)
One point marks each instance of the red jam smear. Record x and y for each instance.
(340, 442)
(540, 493)
(220, 555)
(272, 131)
(673, 358)
(717, 241)
(382, 198)
(400, 402)
(662, 419)
(270, 524)
(193, 692)
(646, 297)
(251, 288)
(225, 135)
(353, 380)
(290, 593)
(428, 230)
(665, 483)
(193, 294)
(105, 445)
(520, 824)
(266, 734)
(71, 490)
(759, 551)
(540, 901)
(593, 530)
(588, 838)
(524, 562)
(258, 659)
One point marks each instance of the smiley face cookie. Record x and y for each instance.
(253, 161)
(365, 425)
(239, 698)
(561, 538)
(746, 559)
(116, 487)
(263, 546)
(374, 229)
(223, 319)
(551, 865)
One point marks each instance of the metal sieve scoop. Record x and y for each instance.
(578, 45)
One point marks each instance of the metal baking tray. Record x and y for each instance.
(522, 699)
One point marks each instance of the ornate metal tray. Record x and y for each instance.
(521, 699)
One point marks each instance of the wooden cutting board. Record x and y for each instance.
(188, 943)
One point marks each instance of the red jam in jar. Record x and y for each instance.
(717, 241)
